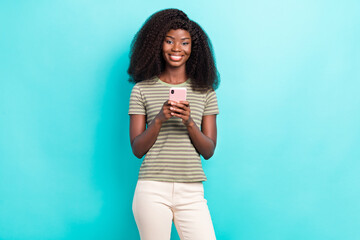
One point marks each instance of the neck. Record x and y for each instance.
(174, 75)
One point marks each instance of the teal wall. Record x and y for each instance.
(287, 161)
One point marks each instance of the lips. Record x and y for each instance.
(175, 57)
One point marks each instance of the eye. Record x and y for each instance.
(168, 41)
(185, 43)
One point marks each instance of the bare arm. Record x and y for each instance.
(204, 140)
(142, 138)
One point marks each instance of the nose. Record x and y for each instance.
(176, 47)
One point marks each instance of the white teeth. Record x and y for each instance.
(176, 58)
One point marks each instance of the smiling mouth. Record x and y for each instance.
(175, 57)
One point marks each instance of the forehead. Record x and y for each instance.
(178, 33)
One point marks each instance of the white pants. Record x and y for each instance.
(156, 204)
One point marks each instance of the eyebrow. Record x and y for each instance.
(174, 38)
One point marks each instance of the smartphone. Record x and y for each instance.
(177, 94)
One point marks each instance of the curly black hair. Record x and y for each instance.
(146, 60)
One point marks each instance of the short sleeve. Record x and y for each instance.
(211, 104)
(137, 103)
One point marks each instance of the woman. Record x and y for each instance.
(170, 50)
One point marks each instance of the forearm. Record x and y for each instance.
(203, 144)
(143, 142)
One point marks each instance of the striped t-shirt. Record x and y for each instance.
(172, 158)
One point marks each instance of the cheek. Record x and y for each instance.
(187, 50)
(163, 52)
(165, 47)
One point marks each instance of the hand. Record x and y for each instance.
(182, 110)
(165, 112)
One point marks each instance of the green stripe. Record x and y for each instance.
(172, 157)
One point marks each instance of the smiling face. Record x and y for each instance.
(176, 48)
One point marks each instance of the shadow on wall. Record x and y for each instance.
(115, 167)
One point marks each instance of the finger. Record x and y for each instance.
(179, 115)
(182, 115)
(180, 105)
(185, 103)
(166, 108)
(186, 110)
(177, 110)
(167, 111)
(168, 115)
(171, 103)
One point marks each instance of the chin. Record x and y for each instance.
(176, 65)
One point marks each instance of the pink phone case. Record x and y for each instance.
(177, 94)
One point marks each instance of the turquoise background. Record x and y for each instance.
(287, 161)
